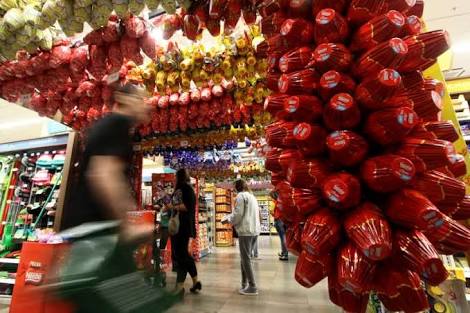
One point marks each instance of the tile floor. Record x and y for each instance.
(279, 292)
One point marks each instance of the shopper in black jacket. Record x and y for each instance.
(184, 202)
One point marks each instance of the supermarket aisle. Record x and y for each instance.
(279, 293)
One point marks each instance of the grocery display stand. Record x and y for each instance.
(264, 203)
(223, 206)
(17, 225)
(204, 218)
(208, 194)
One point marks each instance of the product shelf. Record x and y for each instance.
(5, 299)
(8, 281)
(9, 261)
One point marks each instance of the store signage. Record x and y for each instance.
(54, 141)
(34, 275)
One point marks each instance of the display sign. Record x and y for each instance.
(23, 145)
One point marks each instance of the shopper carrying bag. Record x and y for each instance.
(245, 218)
(183, 229)
(99, 273)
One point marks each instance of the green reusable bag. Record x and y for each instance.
(100, 275)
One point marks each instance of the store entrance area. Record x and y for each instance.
(278, 291)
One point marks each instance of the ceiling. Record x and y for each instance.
(18, 123)
(453, 16)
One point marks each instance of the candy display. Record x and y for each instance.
(379, 157)
(203, 140)
(32, 24)
(197, 89)
(207, 90)
(217, 164)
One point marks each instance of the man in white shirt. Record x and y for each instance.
(245, 218)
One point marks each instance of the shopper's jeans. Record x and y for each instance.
(185, 262)
(246, 246)
(282, 235)
(254, 252)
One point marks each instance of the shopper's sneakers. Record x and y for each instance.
(196, 288)
(249, 291)
(284, 257)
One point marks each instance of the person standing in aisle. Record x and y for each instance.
(280, 227)
(184, 203)
(245, 218)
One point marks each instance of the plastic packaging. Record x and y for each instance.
(341, 113)
(370, 231)
(387, 173)
(342, 191)
(321, 233)
(346, 148)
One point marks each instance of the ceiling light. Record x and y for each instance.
(461, 47)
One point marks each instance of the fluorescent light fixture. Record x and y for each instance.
(22, 123)
(461, 47)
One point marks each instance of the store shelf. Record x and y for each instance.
(9, 281)
(223, 244)
(9, 261)
(466, 137)
(5, 299)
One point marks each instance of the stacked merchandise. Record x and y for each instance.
(31, 204)
(265, 216)
(71, 78)
(223, 206)
(209, 192)
(204, 226)
(33, 24)
(366, 170)
(30, 184)
(192, 89)
(202, 140)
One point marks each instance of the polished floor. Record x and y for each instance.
(278, 291)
